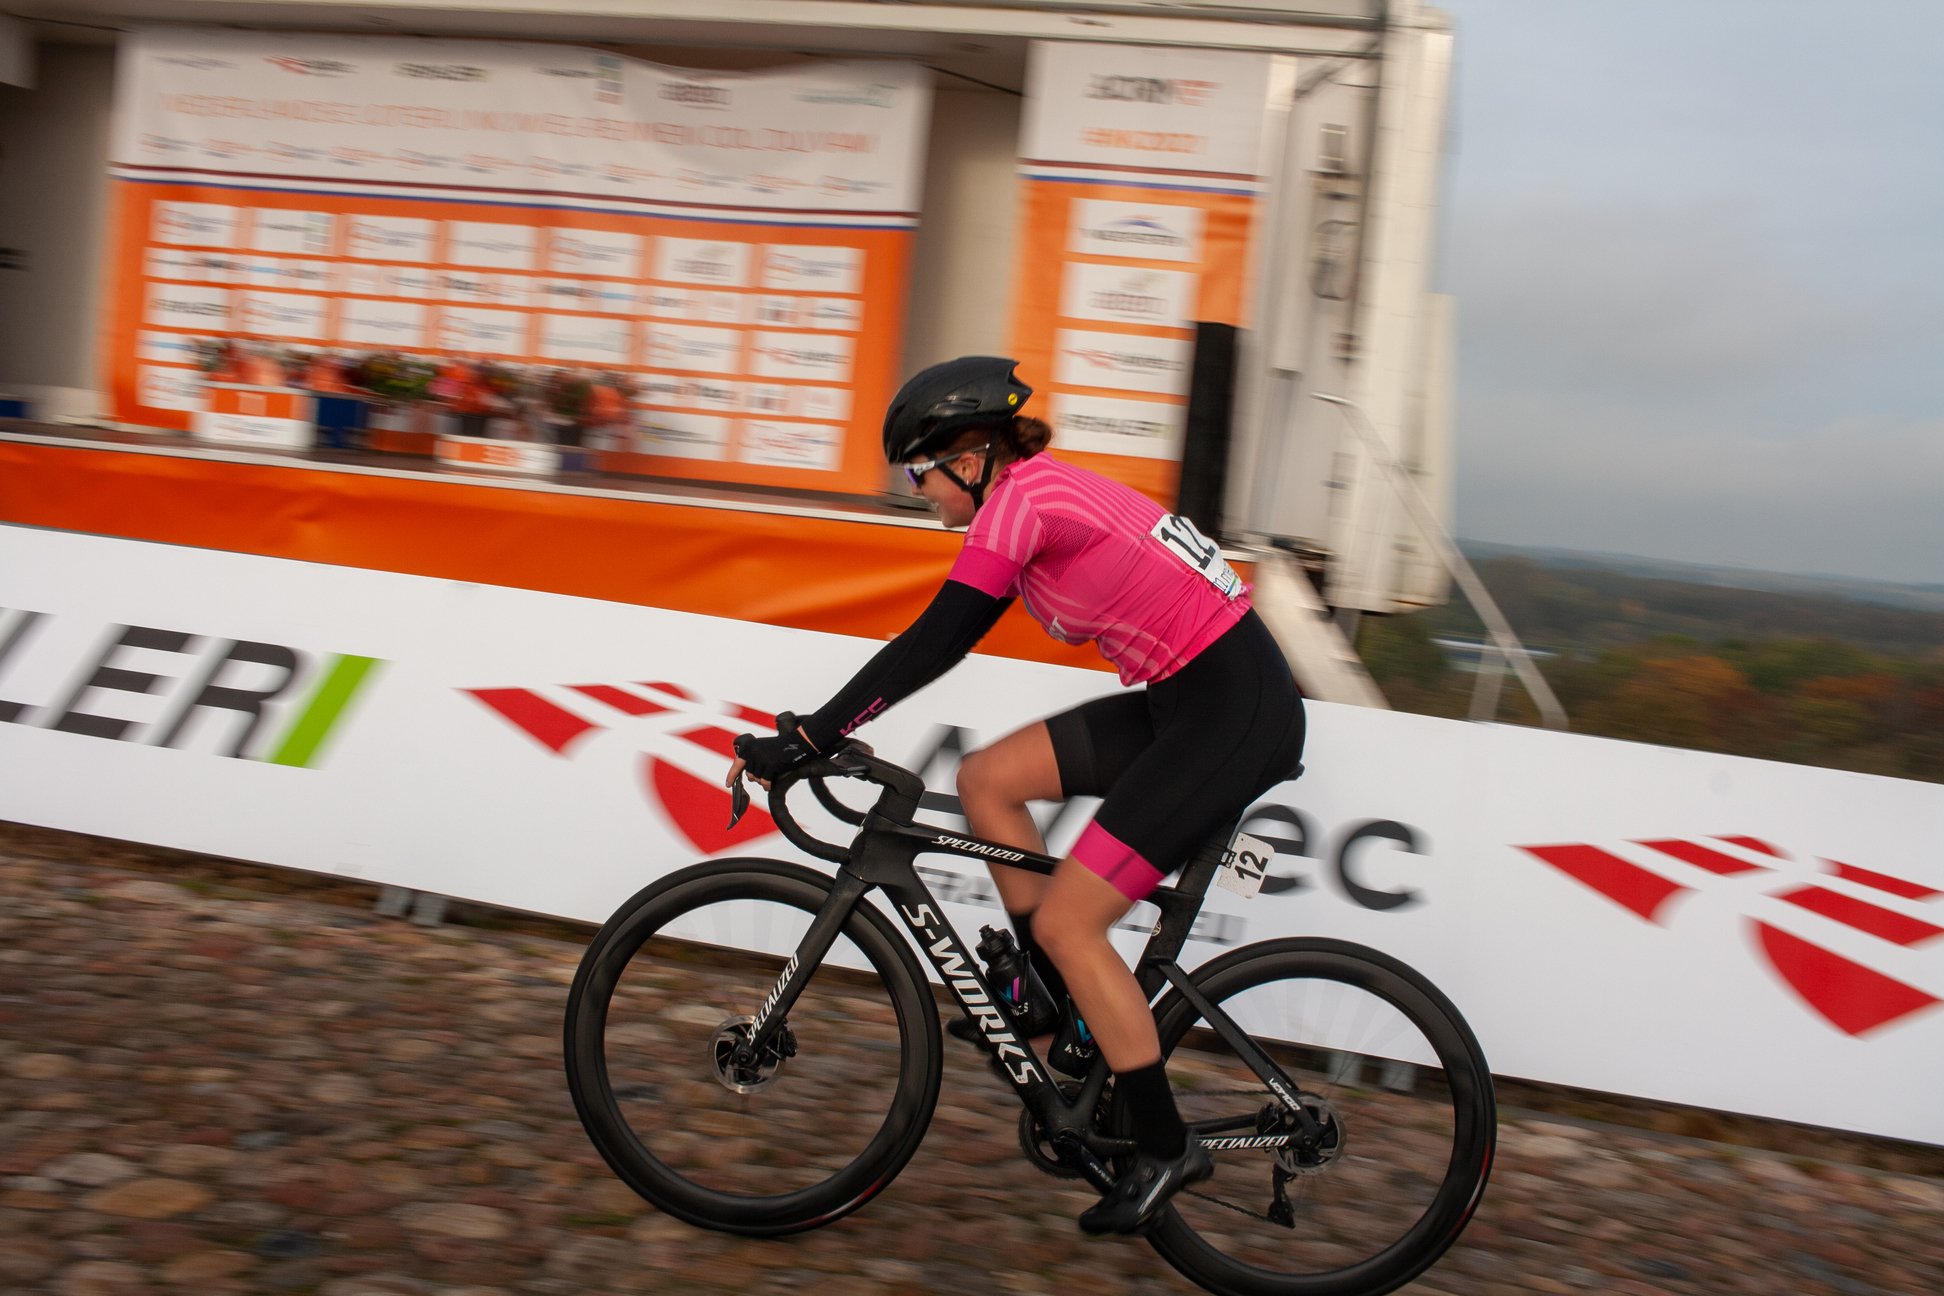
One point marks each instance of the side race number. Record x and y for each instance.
(1199, 552)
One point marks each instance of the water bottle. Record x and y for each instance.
(1022, 994)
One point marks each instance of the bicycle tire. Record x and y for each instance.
(905, 1111)
(1386, 1154)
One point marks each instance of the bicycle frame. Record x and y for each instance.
(882, 856)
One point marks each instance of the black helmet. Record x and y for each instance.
(934, 406)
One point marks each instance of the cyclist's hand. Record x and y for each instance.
(766, 758)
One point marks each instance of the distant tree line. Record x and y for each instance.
(1812, 680)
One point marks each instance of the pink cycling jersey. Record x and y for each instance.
(1075, 548)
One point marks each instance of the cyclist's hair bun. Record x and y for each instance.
(1025, 436)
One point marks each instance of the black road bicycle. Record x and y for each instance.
(1348, 1107)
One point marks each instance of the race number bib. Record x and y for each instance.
(1199, 552)
(1246, 866)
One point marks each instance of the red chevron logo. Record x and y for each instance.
(559, 717)
(1853, 998)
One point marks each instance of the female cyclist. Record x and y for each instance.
(1219, 723)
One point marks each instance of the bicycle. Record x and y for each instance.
(762, 1107)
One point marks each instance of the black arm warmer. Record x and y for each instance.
(957, 618)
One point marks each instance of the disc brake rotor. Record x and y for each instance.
(1292, 1158)
(732, 1035)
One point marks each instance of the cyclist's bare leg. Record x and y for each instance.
(994, 785)
(1072, 923)
(1074, 909)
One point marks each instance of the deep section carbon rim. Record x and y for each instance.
(820, 1125)
(1389, 1071)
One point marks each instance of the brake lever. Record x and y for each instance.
(738, 802)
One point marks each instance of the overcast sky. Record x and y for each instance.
(1699, 254)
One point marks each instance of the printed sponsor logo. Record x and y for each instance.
(1153, 90)
(198, 63)
(1136, 230)
(712, 262)
(1139, 231)
(684, 743)
(229, 697)
(1107, 360)
(311, 67)
(579, 74)
(869, 96)
(1851, 996)
(177, 306)
(440, 71)
(696, 94)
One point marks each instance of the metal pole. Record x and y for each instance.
(1461, 571)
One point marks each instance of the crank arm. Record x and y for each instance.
(1078, 1155)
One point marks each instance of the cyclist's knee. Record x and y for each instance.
(980, 778)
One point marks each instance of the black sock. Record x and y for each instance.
(1158, 1130)
(1022, 925)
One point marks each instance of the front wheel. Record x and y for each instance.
(822, 1124)
(1387, 1068)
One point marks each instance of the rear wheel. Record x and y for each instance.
(822, 1124)
(1390, 1071)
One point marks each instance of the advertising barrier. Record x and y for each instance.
(1140, 173)
(1681, 926)
(736, 241)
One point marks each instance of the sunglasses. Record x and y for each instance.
(916, 471)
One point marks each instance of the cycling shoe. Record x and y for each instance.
(1134, 1201)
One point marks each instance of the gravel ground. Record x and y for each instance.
(210, 1088)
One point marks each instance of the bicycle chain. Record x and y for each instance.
(1239, 1210)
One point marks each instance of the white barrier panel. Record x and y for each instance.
(1695, 928)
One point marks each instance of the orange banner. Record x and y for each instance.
(1105, 334)
(844, 577)
(761, 353)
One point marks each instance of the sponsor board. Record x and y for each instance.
(532, 178)
(1122, 361)
(712, 262)
(188, 306)
(499, 247)
(1104, 425)
(603, 252)
(790, 445)
(176, 389)
(1140, 179)
(683, 435)
(825, 357)
(695, 349)
(1138, 231)
(381, 323)
(483, 332)
(813, 269)
(1128, 295)
(590, 341)
(1148, 107)
(194, 224)
(282, 315)
(310, 233)
(390, 238)
(1682, 926)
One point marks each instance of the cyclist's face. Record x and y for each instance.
(952, 504)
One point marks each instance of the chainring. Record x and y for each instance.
(1039, 1149)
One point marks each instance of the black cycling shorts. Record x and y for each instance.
(1176, 760)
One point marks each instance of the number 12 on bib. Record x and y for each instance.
(1199, 552)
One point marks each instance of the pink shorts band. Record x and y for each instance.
(1120, 864)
